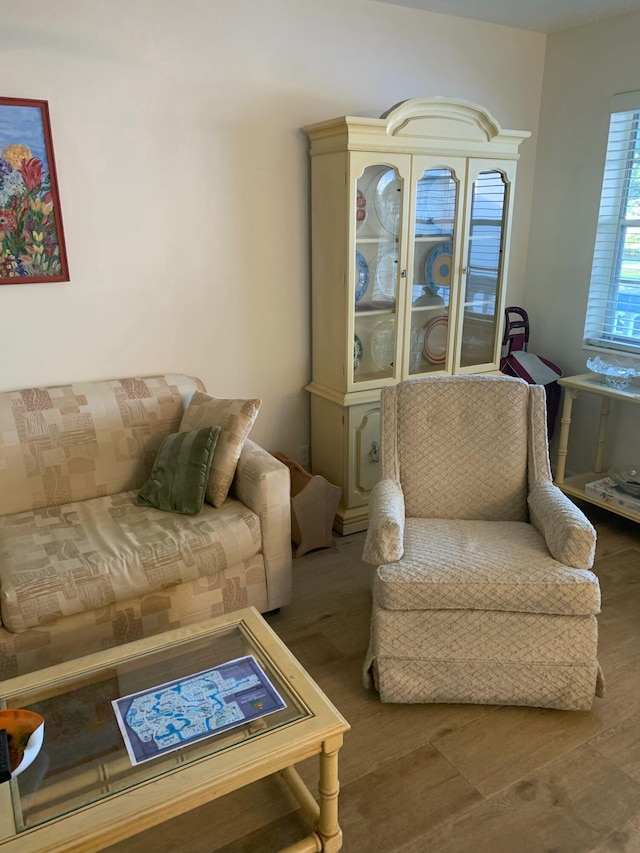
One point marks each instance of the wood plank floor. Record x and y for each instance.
(448, 778)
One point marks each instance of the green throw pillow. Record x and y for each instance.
(180, 472)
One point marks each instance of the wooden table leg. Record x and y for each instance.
(323, 816)
(328, 826)
(602, 433)
(565, 423)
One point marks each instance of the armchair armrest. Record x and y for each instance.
(385, 535)
(263, 484)
(569, 534)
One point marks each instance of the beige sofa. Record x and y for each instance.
(82, 567)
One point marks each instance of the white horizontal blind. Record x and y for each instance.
(486, 234)
(613, 312)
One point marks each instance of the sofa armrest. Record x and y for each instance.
(385, 534)
(569, 534)
(263, 484)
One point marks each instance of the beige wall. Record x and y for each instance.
(584, 67)
(183, 175)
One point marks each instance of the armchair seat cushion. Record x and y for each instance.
(482, 565)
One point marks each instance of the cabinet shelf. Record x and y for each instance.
(365, 310)
(422, 309)
(489, 302)
(385, 240)
(574, 486)
(373, 375)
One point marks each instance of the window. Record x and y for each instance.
(486, 233)
(613, 312)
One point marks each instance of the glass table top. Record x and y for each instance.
(83, 757)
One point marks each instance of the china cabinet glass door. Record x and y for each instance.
(488, 207)
(436, 218)
(378, 226)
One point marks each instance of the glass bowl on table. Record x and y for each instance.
(617, 372)
(627, 478)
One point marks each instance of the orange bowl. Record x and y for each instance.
(25, 731)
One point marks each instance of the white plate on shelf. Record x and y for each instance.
(386, 278)
(435, 205)
(436, 333)
(416, 351)
(387, 201)
(383, 342)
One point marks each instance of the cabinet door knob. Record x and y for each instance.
(374, 453)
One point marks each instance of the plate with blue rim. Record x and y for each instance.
(362, 276)
(437, 270)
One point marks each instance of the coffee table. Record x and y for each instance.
(82, 793)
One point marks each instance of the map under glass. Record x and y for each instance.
(172, 715)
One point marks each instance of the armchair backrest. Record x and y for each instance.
(464, 446)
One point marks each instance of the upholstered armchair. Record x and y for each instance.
(483, 591)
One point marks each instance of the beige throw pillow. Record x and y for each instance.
(235, 419)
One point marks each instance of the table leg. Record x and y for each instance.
(328, 827)
(563, 441)
(323, 816)
(602, 433)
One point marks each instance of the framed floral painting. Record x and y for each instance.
(32, 247)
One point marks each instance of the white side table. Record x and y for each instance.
(574, 486)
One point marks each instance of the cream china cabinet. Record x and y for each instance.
(410, 227)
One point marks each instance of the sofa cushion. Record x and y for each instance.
(67, 559)
(235, 419)
(482, 565)
(77, 442)
(242, 585)
(180, 472)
